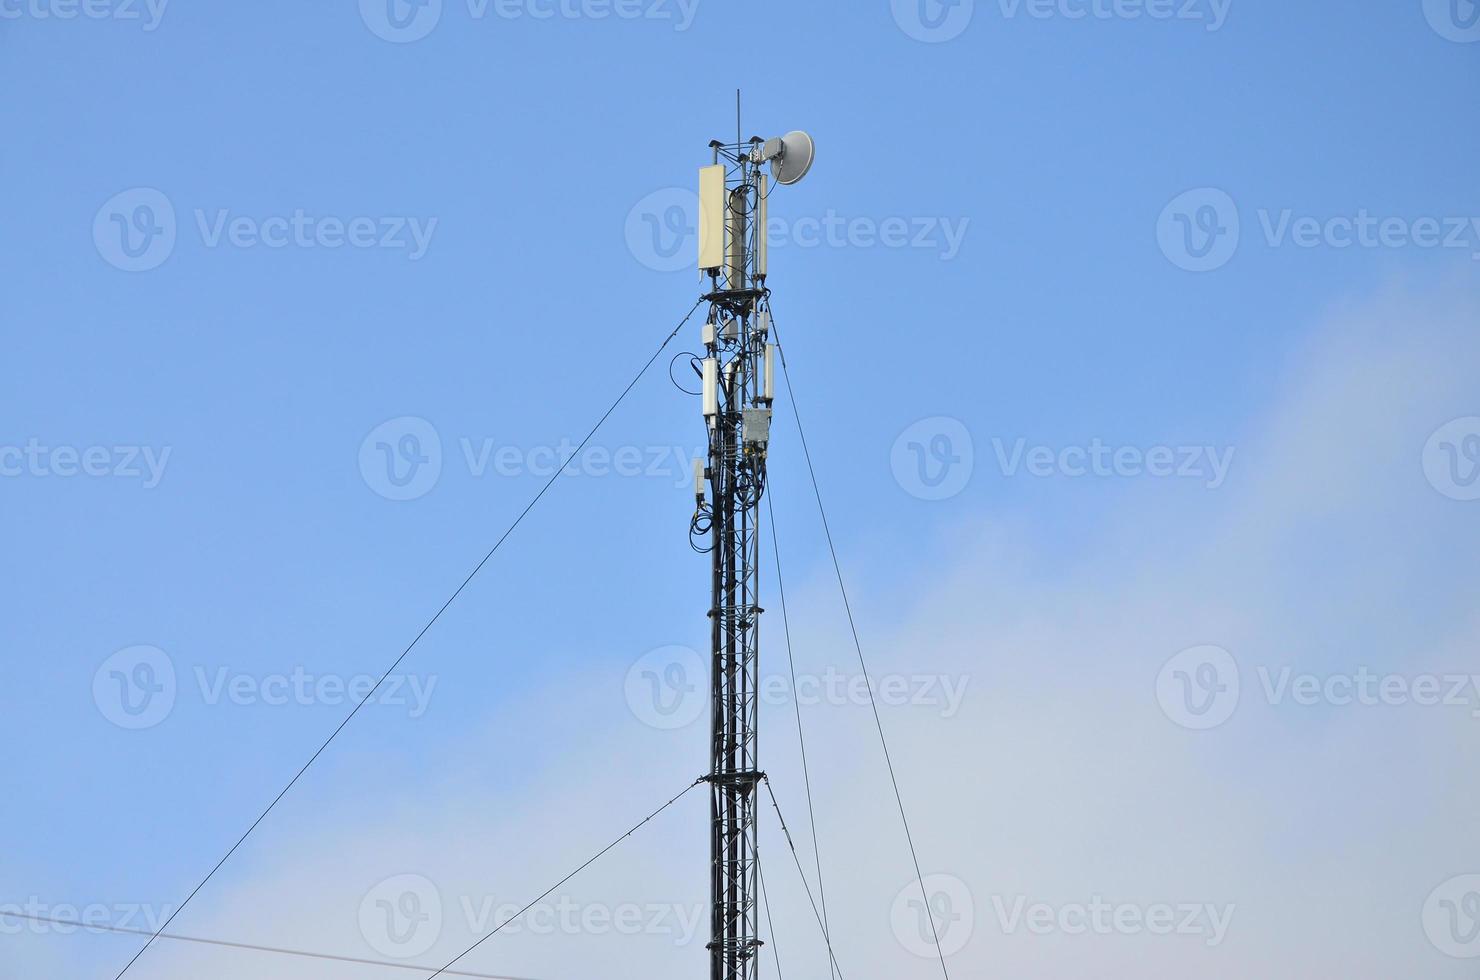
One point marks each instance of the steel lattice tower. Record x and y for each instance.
(738, 387)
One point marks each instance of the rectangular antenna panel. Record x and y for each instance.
(711, 387)
(712, 216)
(762, 245)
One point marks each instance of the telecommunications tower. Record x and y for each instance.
(738, 371)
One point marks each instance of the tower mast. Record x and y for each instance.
(737, 416)
(738, 390)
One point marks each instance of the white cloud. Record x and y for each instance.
(1060, 781)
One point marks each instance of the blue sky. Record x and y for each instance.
(350, 225)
